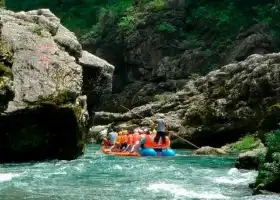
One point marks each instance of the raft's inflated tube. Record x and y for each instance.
(148, 152)
(168, 152)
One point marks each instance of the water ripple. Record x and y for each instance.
(98, 176)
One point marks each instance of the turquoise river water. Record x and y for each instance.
(96, 176)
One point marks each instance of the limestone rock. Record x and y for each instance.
(146, 56)
(97, 133)
(250, 159)
(255, 40)
(42, 75)
(223, 105)
(207, 150)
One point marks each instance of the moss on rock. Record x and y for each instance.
(6, 60)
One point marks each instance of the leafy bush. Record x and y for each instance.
(269, 173)
(157, 5)
(78, 16)
(273, 141)
(247, 143)
(165, 27)
(127, 23)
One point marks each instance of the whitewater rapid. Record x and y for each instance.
(98, 176)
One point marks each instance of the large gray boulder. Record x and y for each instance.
(42, 87)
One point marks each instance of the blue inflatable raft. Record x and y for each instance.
(157, 152)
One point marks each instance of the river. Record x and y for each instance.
(96, 176)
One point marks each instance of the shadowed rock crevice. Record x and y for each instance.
(44, 132)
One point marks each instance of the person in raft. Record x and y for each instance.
(129, 141)
(160, 130)
(112, 136)
(109, 140)
(148, 140)
(165, 145)
(118, 142)
(136, 141)
(124, 140)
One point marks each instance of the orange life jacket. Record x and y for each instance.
(124, 139)
(149, 141)
(167, 142)
(119, 139)
(136, 138)
(130, 139)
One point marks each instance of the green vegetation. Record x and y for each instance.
(127, 24)
(221, 20)
(5, 71)
(78, 16)
(156, 5)
(2, 3)
(246, 143)
(269, 174)
(165, 97)
(37, 30)
(165, 28)
(6, 52)
(63, 98)
(6, 59)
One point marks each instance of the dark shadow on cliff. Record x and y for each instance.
(41, 133)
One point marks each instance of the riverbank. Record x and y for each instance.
(99, 176)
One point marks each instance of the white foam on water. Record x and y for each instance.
(79, 167)
(179, 191)
(153, 168)
(7, 176)
(234, 177)
(117, 167)
(233, 172)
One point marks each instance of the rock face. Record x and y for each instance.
(220, 107)
(42, 104)
(154, 55)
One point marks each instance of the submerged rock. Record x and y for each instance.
(42, 106)
(207, 150)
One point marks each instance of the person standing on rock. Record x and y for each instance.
(160, 129)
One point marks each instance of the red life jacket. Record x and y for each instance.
(149, 141)
(136, 138)
(167, 142)
(130, 139)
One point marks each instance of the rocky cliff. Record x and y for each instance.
(218, 108)
(45, 78)
(157, 45)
